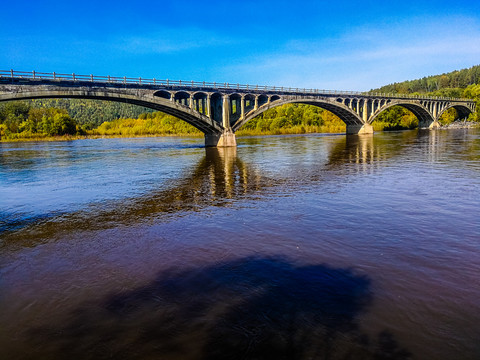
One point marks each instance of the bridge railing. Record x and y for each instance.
(40, 76)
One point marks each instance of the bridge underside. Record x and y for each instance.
(462, 111)
(425, 119)
(355, 125)
(348, 117)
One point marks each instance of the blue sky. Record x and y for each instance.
(349, 45)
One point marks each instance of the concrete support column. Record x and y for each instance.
(172, 97)
(359, 129)
(226, 112)
(208, 109)
(256, 103)
(365, 111)
(226, 139)
(192, 102)
(242, 105)
(434, 112)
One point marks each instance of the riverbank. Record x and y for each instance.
(241, 133)
(93, 136)
(461, 124)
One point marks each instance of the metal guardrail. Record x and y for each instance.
(33, 75)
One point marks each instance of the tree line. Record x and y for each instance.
(451, 83)
(92, 113)
(18, 120)
(463, 83)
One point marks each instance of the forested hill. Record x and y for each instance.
(92, 113)
(448, 84)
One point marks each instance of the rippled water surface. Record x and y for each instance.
(288, 247)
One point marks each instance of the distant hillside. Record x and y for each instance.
(92, 113)
(452, 82)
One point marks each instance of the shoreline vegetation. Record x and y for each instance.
(21, 121)
(458, 124)
(71, 119)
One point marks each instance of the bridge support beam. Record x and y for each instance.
(357, 129)
(226, 139)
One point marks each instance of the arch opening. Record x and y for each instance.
(454, 113)
(345, 114)
(292, 117)
(262, 100)
(200, 103)
(396, 117)
(183, 98)
(235, 107)
(354, 105)
(216, 107)
(163, 94)
(249, 102)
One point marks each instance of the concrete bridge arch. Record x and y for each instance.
(158, 101)
(425, 118)
(462, 110)
(347, 115)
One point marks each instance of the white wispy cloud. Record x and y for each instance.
(365, 58)
(172, 40)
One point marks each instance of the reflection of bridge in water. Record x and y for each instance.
(222, 175)
(219, 110)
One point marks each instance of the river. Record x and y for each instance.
(287, 247)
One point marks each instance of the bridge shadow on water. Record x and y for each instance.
(250, 308)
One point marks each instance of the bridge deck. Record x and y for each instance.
(77, 80)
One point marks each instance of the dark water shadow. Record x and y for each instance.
(251, 308)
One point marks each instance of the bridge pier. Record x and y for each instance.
(358, 129)
(429, 125)
(226, 139)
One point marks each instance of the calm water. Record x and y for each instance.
(289, 247)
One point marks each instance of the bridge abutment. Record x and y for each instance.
(226, 139)
(358, 129)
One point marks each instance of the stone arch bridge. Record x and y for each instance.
(220, 109)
